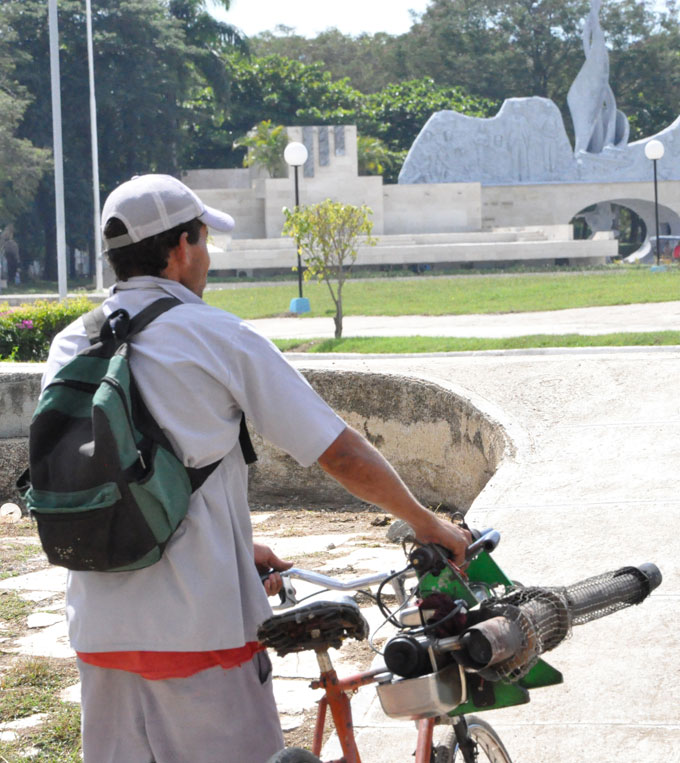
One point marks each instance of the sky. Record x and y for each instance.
(309, 17)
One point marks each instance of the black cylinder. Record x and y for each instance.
(408, 657)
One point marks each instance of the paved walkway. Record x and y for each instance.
(661, 316)
(590, 485)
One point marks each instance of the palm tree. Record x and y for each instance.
(201, 27)
(208, 39)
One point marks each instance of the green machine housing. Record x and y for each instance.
(483, 575)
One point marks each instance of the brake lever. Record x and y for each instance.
(287, 594)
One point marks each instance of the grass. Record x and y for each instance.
(13, 607)
(31, 685)
(16, 557)
(414, 344)
(458, 295)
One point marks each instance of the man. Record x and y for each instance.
(170, 667)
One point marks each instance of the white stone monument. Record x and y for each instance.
(526, 142)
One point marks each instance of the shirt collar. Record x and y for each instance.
(173, 288)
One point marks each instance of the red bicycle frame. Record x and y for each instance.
(336, 697)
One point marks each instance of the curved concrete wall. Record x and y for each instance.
(19, 391)
(443, 447)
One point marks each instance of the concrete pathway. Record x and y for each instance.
(661, 316)
(591, 486)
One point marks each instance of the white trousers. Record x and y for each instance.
(215, 716)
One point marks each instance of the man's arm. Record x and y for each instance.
(365, 473)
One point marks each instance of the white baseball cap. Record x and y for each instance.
(152, 204)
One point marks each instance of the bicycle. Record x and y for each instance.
(468, 641)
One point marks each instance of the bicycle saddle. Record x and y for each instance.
(316, 625)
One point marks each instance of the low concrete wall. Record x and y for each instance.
(19, 390)
(442, 446)
(433, 207)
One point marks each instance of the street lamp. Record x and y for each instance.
(99, 277)
(654, 150)
(295, 155)
(55, 80)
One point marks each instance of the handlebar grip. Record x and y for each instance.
(486, 540)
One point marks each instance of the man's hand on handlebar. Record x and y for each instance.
(267, 561)
(444, 533)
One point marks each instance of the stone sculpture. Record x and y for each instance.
(526, 142)
(597, 122)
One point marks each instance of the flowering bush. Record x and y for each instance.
(27, 331)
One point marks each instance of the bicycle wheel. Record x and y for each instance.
(294, 755)
(490, 749)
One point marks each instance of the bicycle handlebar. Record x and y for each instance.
(325, 581)
(484, 540)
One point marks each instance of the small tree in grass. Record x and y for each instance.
(327, 236)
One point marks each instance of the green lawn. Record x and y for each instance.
(413, 344)
(456, 295)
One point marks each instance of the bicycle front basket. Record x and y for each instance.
(425, 696)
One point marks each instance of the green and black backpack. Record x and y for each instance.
(104, 483)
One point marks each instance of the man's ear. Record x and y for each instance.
(178, 257)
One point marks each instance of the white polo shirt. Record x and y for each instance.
(197, 368)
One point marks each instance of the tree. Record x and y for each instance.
(327, 235)
(644, 63)
(287, 92)
(290, 92)
(141, 90)
(397, 113)
(498, 48)
(22, 165)
(266, 144)
(368, 62)
(375, 158)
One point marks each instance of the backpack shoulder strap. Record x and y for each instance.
(249, 454)
(94, 320)
(150, 313)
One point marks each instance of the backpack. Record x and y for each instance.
(104, 484)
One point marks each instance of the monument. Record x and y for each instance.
(527, 143)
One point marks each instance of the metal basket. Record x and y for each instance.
(425, 696)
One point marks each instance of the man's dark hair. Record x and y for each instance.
(148, 257)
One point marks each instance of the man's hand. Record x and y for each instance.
(453, 537)
(266, 559)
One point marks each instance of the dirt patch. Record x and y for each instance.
(20, 554)
(368, 526)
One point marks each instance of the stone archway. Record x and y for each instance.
(628, 226)
(669, 221)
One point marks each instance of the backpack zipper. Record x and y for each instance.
(83, 386)
(115, 384)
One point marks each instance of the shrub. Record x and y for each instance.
(27, 331)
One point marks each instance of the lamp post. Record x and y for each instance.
(55, 80)
(99, 278)
(654, 150)
(295, 155)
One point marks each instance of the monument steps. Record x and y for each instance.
(477, 247)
